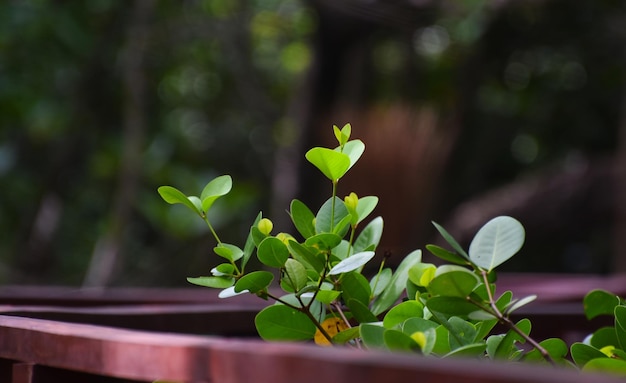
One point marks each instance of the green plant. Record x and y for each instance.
(446, 310)
(605, 349)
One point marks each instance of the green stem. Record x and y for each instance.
(332, 206)
(206, 219)
(508, 323)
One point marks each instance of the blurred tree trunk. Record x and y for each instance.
(107, 251)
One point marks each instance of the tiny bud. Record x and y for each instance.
(265, 226)
(351, 201)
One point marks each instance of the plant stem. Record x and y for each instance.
(332, 206)
(206, 219)
(508, 323)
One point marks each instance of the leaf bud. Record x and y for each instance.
(265, 226)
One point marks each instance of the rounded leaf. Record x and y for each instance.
(282, 323)
(172, 196)
(255, 282)
(273, 252)
(453, 281)
(497, 241)
(331, 163)
(216, 188)
(400, 313)
(295, 274)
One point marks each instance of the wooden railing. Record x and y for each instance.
(188, 335)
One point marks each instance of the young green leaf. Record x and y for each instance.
(331, 163)
(364, 208)
(342, 135)
(218, 187)
(354, 149)
(228, 251)
(497, 241)
(422, 273)
(396, 340)
(173, 196)
(250, 245)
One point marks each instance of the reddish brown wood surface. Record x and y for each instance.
(145, 356)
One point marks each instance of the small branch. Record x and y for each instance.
(508, 323)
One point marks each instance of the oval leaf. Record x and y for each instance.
(397, 284)
(272, 252)
(218, 187)
(256, 282)
(331, 163)
(215, 282)
(282, 323)
(352, 263)
(172, 196)
(497, 241)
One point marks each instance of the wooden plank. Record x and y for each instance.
(147, 356)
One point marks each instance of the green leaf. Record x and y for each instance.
(228, 251)
(620, 325)
(347, 335)
(364, 208)
(475, 349)
(556, 348)
(172, 196)
(327, 296)
(450, 305)
(446, 255)
(604, 336)
(505, 348)
(323, 241)
(396, 340)
(370, 236)
(422, 273)
(215, 282)
(520, 303)
(600, 302)
(606, 365)
(255, 282)
(373, 336)
(324, 221)
(462, 333)
(360, 312)
(302, 218)
(453, 281)
(282, 323)
(380, 281)
(218, 187)
(397, 284)
(355, 286)
(497, 241)
(295, 274)
(342, 135)
(352, 263)
(583, 353)
(451, 241)
(354, 149)
(273, 252)
(223, 270)
(331, 163)
(400, 313)
(307, 255)
(250, 245)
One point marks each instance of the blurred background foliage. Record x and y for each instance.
(469, 109)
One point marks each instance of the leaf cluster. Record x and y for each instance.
(446, 310)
